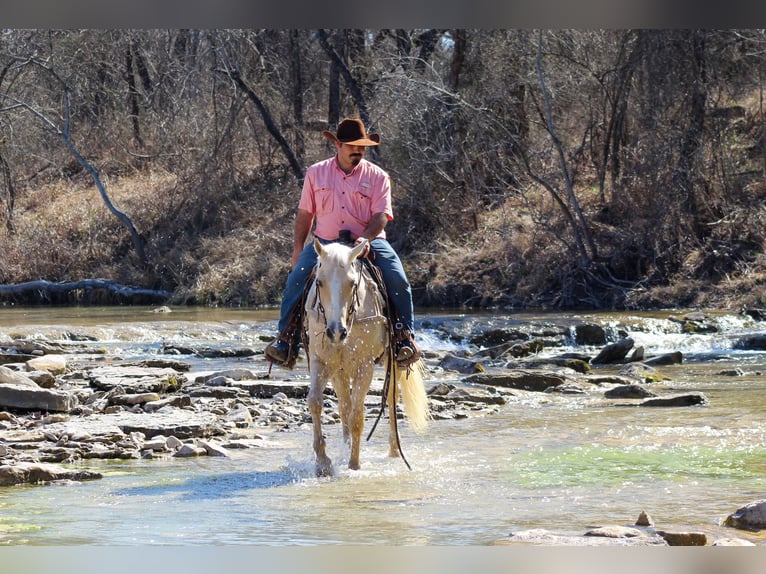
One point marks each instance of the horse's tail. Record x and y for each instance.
(413, 394)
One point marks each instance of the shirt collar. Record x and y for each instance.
(353, 170)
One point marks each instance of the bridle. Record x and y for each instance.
(353, 302)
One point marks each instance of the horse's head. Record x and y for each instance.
(336, 284)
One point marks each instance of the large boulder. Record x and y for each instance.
(752, 516)
(18, 391)
(614, 352)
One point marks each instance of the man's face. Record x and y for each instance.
(350, 155)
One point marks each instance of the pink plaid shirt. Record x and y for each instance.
(339, 201)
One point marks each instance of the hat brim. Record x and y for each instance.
(370, 140)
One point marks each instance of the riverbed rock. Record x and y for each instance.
(674, 358)
(54, 364)
(614, 531)
(136, 379)
(462, 365)
(628, 392)
(528, 380)
(684, 538)
(751, 342)
(18, 391)
(181, 423)
(32, 473)
(644, 519)
(732, 542)
(589, 334)
(542, 537)
(752, 516)
(643, 373)
(43, 379)
(678, 400)
(614, 352)
(230, 374)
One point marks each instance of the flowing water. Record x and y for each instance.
(560, 462)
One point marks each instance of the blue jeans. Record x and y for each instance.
(386, 260)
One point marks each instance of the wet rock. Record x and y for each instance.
(642, 372)
(494, 337)
(461, 365)
(614, 352)
(683, 538)
(615, 532)
(696, 323)
(574, 364)
(213, 448)
(544, 537)
(589, 334)
(190, 450)
(32, 473)
(680, 400)
(18, 391)
(524, 349)
(675, 358)
(755, 313)
(751, 343)
(752, 517)
(181, 366)
(644, 519)
(208, 352)
(529, 380)
(732, 542)
(229, 374)
(462, 395)
(597, 379)
(637, 354)
(628, 392)
(567, 389)
(732, 373)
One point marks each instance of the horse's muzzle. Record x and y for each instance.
(336, 333)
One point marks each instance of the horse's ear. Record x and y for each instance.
(359, 249)
(317, 246)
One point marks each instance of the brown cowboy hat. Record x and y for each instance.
(351, 131)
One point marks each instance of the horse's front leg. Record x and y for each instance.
(359, 387)
(342, 389)
(316, 404)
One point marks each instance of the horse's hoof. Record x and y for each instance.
(324, 469)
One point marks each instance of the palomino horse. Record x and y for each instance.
(348, 334)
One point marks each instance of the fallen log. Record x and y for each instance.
(43, 290)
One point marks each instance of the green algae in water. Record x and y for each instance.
(613, 466)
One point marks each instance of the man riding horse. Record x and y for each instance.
(345, 196)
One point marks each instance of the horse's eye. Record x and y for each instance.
(319, 282)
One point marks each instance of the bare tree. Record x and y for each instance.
(63, 131)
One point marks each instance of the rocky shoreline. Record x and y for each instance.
(62, 404)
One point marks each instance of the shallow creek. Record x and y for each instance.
(551, 461)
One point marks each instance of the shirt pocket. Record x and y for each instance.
(362, 202)
(324, 200)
